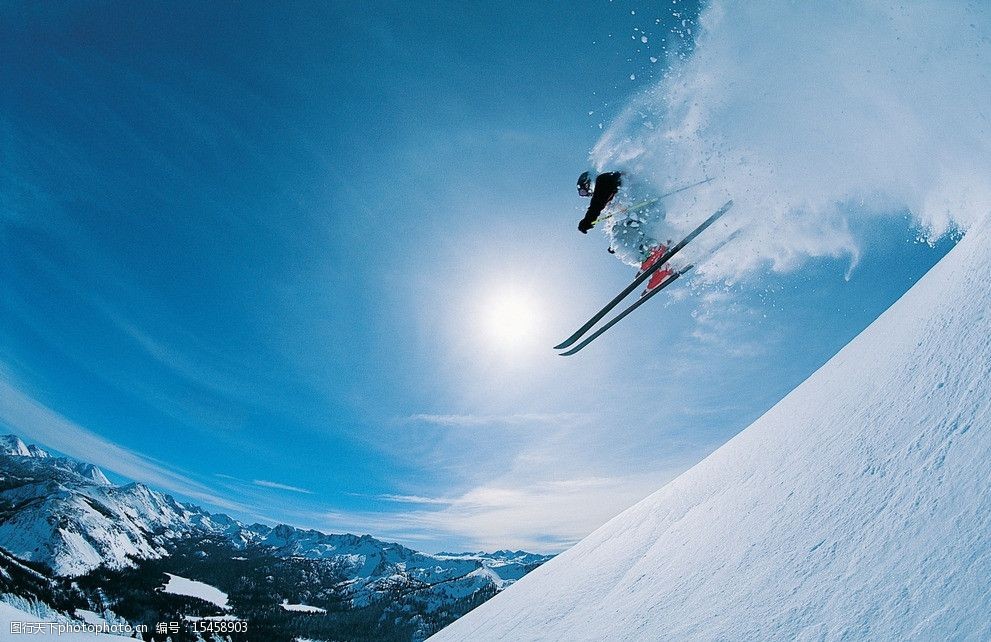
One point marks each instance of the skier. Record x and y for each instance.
(631, 225)
(636, 234)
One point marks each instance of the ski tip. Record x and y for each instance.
(568, 344)
(581, 345)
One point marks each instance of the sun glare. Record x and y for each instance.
(511, 318)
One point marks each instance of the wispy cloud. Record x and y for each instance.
(271, 484)
(200, 369)
(562, 418)
(546, 516)
(22, 200)
(413, 499)
(34, 420)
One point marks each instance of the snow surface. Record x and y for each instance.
(91, 617)
(182, 586)
(858, 507)
(9, 615)
(302, 608)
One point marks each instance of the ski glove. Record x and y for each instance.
(584, 226)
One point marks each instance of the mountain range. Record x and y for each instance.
(69, 537)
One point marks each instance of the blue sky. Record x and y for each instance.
(254, 255)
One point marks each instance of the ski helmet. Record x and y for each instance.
(585, 184)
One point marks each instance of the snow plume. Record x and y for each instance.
(809, 114)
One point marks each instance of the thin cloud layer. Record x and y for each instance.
(559, 418)
(513, 512)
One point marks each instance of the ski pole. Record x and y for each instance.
(651, 201)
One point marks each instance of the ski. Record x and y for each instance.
(643, 299)
(643, 276)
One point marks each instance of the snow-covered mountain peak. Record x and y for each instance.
(91, 472)
(12, 445)
(858, 507)
(37, 452)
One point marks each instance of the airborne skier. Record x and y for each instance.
(633, 221)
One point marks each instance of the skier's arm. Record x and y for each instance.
(606, 187)
(591, 215)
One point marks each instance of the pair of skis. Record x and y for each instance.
(642, 277)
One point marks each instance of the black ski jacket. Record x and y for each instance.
(606, 187)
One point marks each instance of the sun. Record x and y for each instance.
(511, 318)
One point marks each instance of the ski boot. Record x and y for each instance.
(660, 275)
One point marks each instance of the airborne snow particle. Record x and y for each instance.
(633, 76)
(653, 59)
(643, 39)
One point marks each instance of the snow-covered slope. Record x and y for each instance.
(859, 507)
(184, 586)
(30, 626)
